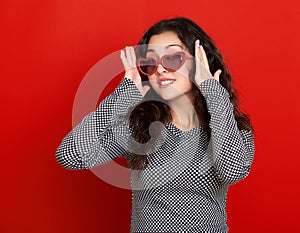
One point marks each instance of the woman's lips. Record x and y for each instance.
(165, 82)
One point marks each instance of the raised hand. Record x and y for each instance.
(202, 67)
(128, 58)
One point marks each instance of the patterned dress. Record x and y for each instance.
(184, 186)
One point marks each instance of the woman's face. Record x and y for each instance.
(169, 85)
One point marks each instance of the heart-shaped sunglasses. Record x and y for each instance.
(170, 62)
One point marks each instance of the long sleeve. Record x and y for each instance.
(102, 135)
(232, 149)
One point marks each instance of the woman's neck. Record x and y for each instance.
(184, 115)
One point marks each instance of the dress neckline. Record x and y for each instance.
(181, 133)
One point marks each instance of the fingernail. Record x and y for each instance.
(198, 43)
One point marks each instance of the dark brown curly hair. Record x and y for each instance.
(140, 119)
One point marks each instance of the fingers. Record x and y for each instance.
(202, 65)
(204, 58)
(128, 58)
(198, 76)
(201, 55)
(124, 60)
(130, 55)
(197, 51)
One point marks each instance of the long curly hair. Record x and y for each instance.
(140, 119)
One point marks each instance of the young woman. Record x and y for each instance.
(175, 117)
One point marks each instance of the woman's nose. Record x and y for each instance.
(161, 69)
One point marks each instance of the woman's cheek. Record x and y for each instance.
(151, 78)
(185, 70)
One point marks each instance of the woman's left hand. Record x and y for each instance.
(202, 67)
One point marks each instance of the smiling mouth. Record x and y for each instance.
(166, 82)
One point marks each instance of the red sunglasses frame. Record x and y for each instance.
(160, 61)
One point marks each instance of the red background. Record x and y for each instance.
(48, 46)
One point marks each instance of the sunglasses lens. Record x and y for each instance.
(147, 66)
(173, 62)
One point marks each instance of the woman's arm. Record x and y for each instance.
(232, 149)
(102, 135)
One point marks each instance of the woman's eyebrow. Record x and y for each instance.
(171, 45)
(150, 50)
(168, 46)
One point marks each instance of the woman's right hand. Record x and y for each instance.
(128, 58)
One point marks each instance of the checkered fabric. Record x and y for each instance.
(184, 187)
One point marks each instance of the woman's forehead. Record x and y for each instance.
(166, 39)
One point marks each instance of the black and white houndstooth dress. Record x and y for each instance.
(184, 187)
